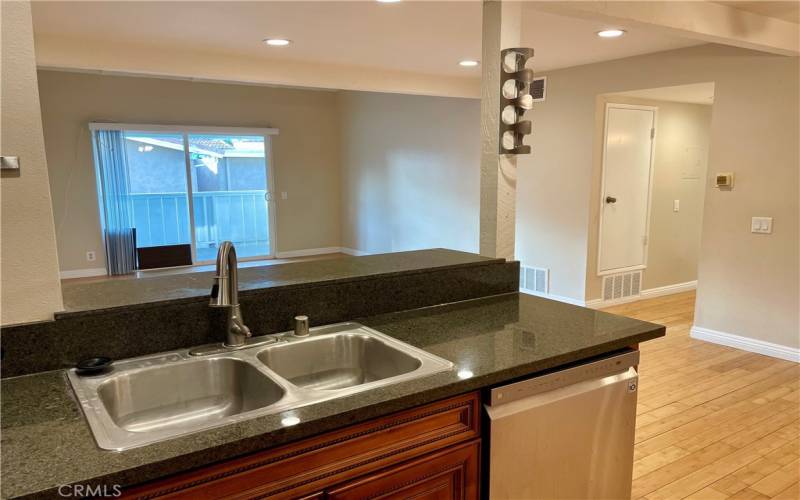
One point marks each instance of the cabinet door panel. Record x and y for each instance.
(317, 463)
(450, 474)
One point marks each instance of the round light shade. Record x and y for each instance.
(614, 33)
(277, 42)
(468, 63)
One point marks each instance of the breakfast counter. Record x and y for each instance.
(46, 442)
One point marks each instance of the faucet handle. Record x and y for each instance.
(301, 326)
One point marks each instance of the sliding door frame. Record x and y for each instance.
(187, 164)
(185, 131)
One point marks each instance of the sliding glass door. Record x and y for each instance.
(230, 194)
(159, 197)
(186, 188)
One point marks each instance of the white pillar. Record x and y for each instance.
(501, 29)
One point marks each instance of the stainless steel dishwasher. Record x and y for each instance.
(565, 434)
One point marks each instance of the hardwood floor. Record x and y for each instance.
(713, 422)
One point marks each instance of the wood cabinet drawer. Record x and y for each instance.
(450, 474)
(309, 466)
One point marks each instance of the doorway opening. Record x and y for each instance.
(654, 170)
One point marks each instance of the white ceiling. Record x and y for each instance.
(417, 37)
(695, 93)
(424, 37)
(561, 42)
(786, 10)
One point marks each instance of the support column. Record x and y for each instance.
(501, 29)
(30, 289)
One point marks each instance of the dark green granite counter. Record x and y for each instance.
(97, 296)
(46, 442)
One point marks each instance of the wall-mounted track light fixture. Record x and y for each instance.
(515, 99)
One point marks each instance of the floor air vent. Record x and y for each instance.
(620, 286)
(534, 279)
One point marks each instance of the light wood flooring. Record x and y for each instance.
(713, 422)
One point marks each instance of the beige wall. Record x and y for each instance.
(674, 247)
(748, 283)
(306, 152)
(410, 172)
(30, 288)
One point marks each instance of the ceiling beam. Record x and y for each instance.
(706, 21)
(117, 58)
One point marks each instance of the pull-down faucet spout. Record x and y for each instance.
(225, 293)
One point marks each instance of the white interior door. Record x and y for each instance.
(625, 194)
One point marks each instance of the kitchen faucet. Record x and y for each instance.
(225, 293)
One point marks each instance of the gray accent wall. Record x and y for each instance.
(410, 172)
(306, 152)
(366, 171)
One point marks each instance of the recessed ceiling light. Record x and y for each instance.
(277, 42)
(468, 63)
(388, 1)
(610, 33)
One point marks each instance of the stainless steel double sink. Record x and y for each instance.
(154, 398)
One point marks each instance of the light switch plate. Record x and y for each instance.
(762, 225)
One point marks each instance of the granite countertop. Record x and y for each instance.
(46, 442)
(94, 296)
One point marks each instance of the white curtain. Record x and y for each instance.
(117, 216)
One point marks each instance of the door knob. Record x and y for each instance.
(610, 199)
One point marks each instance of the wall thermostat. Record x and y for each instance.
(724, 180)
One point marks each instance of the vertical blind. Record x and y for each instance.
(114, 189)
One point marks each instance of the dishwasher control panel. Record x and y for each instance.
(562, 378)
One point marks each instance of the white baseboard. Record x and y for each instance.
(560, 298)
(83, 273)
(669, 289)
(600, 303)
(746, 343)
(353, 251)
(319, 251)
(645, 294)
(307, 252)
(595, 304)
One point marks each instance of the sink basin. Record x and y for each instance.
(186, 394)
(154, 398)
(337, 361)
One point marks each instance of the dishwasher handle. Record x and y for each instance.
(605, 367)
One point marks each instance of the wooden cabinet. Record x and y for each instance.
(445, 475)
(427, 452)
